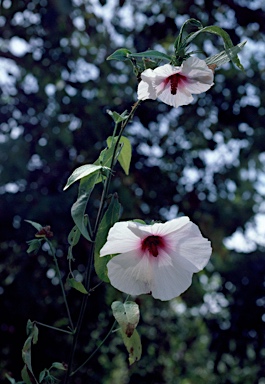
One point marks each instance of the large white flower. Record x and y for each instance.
(175, 85)
(159, 259)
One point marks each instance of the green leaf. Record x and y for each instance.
(59, 366)
(178, 43)
(150, 54)
(221, 33)
(117, 117)
(27, 372)
(133, 346)
(225, 56)
(77, 285)
(42, 375)
(110, 217)
(35, 225)
(34, 245)
(120, 54)
(25, 376)
(125, 154)
(105, 157)
(74, 236)
(127, 315)
(79, 207)
(83, 171)
(73, 239)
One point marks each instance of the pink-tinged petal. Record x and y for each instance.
(158, 259)
(166, 70)
(130, 273)
(169, 282)
(188, 243)
(120, 239)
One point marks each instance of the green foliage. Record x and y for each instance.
(77, 285)
(203, 160)
(27, 371)
(127, 315)
(78, 209)
(225, 56)
(111, 216)
(133, 346)
(120, 54)
(125, 152)
(151, 54)
(83, 171)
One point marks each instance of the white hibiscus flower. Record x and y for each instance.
(175, 85)
(158, 259)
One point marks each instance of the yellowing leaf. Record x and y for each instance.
(133, 346)
(127, 315)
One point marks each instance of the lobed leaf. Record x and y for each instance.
(127, 315)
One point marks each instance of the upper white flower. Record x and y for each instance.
(159, 259)
(175, 85)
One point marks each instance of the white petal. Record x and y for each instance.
(120, 239)
(169, 282)
(140, 230)
(200, 77)
(146, 88)
(188, 243)
(170, 226)
(181, 97)
(146, 91)
(130, 273)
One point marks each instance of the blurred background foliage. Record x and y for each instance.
(204, 160)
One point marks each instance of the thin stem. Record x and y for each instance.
(97, 222)
(54, 328)
(61, 283)
(95, 350)
(101, 343)
(107, 182)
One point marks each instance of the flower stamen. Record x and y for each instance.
(152, 244)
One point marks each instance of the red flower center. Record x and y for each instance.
(152, 244)
(175, 81)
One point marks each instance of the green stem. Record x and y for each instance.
(90, 262)
(107, 183)
(54, 328)
(95, 350)
(61, 283)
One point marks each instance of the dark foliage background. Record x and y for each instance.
(205, 160)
